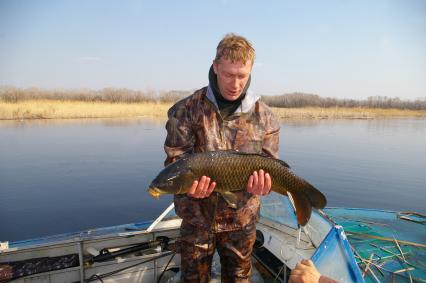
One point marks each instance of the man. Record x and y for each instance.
(222, 116)
(306, 272)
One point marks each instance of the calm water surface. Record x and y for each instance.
(64, 176)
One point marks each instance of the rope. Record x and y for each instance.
(405, 215)
(385, 239)
(165, 268)
(100, 276)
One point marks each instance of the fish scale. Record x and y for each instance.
(231, 171)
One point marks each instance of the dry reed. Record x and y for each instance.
(344, 113)
(51, 109)
(54, 109)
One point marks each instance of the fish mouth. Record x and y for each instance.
(154, 192)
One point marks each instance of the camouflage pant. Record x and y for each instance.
(234, 249)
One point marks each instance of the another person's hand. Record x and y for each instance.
(306, 272)
(259, 183)
(201, 188)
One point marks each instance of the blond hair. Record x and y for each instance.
(235, 48)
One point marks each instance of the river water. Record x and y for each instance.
(62, 176)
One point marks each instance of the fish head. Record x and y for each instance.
(155, 192)
(173, 179)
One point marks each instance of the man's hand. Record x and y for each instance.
(202, 188)
(259, 183)
(306, 272)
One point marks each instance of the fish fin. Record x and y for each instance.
(230, 198)
(283, 163)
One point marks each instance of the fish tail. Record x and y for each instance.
(303, 208)
(302, 203)
(317, 199)
(305, 197)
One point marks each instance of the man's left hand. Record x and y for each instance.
(259, 183)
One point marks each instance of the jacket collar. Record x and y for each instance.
(246, 104)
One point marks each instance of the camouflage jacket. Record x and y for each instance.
(195, 125)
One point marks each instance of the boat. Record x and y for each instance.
(388, 246)
(347, 245)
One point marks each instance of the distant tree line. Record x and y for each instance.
(123, 95)
(112, 95)
(298, 99)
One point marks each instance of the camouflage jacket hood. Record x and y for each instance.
(195, 125)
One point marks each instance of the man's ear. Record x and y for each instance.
(215, 67)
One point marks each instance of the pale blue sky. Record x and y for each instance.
(335, 48)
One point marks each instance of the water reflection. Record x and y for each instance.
(394, 125)
(82, 122)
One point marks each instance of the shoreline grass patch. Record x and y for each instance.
(51, 109)
(60, 109)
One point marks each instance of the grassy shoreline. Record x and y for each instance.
(58, 109)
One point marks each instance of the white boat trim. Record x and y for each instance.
(162, 215)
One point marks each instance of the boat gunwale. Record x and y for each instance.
(82, 236)
(361, 208)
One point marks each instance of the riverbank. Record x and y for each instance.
(56, 109)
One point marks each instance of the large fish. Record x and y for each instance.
(231, 171)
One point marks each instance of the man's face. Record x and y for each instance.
(231, 77)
